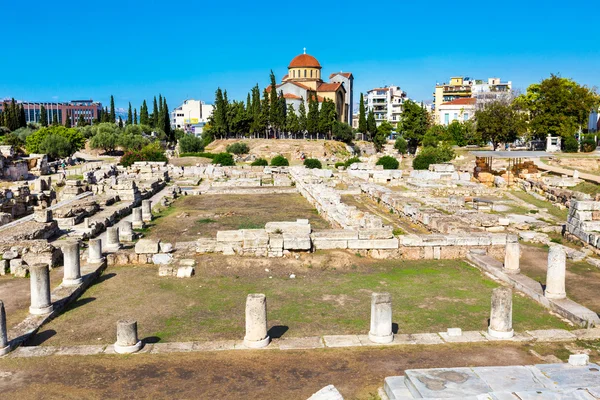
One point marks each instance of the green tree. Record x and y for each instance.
(144, 120)
(362, 117)
(342, 132)
(105, 140)
(555, 103)
(414, 123)
(22, 117)
(41, 140)
(190, 144)
(327, 116)
(219, 115)
(154, 116)
(81, 121)
(312, 118)
(135, 119)
(129, 115)
(113, 114)
(43, 116)
(383, 132)
(456, 133)
(371, 124)
(68, 123)
(120, 122)
(401, 145)
(302, 119)
(292, 125)
(55, 119)
(499, 123)
(274, 109)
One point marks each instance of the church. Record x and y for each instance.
(304, 80)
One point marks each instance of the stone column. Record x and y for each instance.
(511, 258)
(126, 231)
(555, 277)
(72, 267)
(86, 223)
(147, 210)
(112, 238)
(137, 221)
(501, 314)
(40, 289)
(95, 251)
(256, 321)
(381, 318)
(4, 346)
(127, 339)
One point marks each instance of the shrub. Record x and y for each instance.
(191, 144)
(312, 163)
(571, 145)
(259, 162)
(150, 152)
(339, 164)
(238, 148)
(279, 161)
(225, 159)
(401, 145)
(433, 155)
(388, 162)
(351, 161)
(37, 142)
(588, 144)
(422, 161)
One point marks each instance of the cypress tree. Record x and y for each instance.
(167, 121)
(160, 103)
(54, 118)
(43, 116)
(22, 117)
(154, 113)
(312, 119)
(113, 115)
(302, 116)
(129, 115)
(120, 122)
(371, 124)
(362, 117)
(81, 121)
(68, 121)
(274, 105)
(135, 116)
(144, 114)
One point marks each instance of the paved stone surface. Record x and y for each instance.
(215, 346)
(518, 337)
(314, 342)
(587, 334)
(341, 341)
(172, 347)
(84, 350)
(552, 335)
(466, 337)
(426, 338)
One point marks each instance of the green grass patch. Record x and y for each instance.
(552, 209)
(586, 187)
(205, 221)
(74, 177)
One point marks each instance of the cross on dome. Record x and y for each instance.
(305, 50)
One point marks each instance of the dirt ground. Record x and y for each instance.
(189, 161)
(15, 293)
(356, 372)
(191, 217)
(582, 279)
(362, 202)
(329, 294)
(290, 148)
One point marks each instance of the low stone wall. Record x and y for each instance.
(553, 194)
(584, 221)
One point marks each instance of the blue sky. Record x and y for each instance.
(186, 49)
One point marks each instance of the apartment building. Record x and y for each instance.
(387, 103)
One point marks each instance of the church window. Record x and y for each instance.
(311, 73)
(294, 73)
(305, 73)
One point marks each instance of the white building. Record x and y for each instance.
(461, 110)
(594, 121)
(191, 116)
(387, 104)
(493, 90)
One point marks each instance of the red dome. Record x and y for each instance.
(304, 61)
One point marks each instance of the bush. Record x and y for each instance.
(259, 162)
(588, 144)
(339, 164)
(279, 161)
(191, 144)
(225, 159)
(37, 142)
(388, 162)
(433, 155)
(351, 161)
(401, 145)
(150, 152)
(312, 163)
(571, 145)
(238, 148)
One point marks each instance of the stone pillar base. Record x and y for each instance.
(72, 282)
(98, 261)
(555, 296)
(128, 349)
(501, 335)
(5, 350)
(252, 344)
(138, 225)
(146, 218)
(381, 339)
(511, 271)
(41, 311)
(113, 247)
(126, 238)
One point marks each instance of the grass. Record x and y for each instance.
(74, 177)
(428, 296)
(190, 217)
(552, 209)
(587, 187)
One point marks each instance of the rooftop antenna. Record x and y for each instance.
(305, 50)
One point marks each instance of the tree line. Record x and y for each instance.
(270, 116)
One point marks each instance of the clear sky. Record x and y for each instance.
(185, 49)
